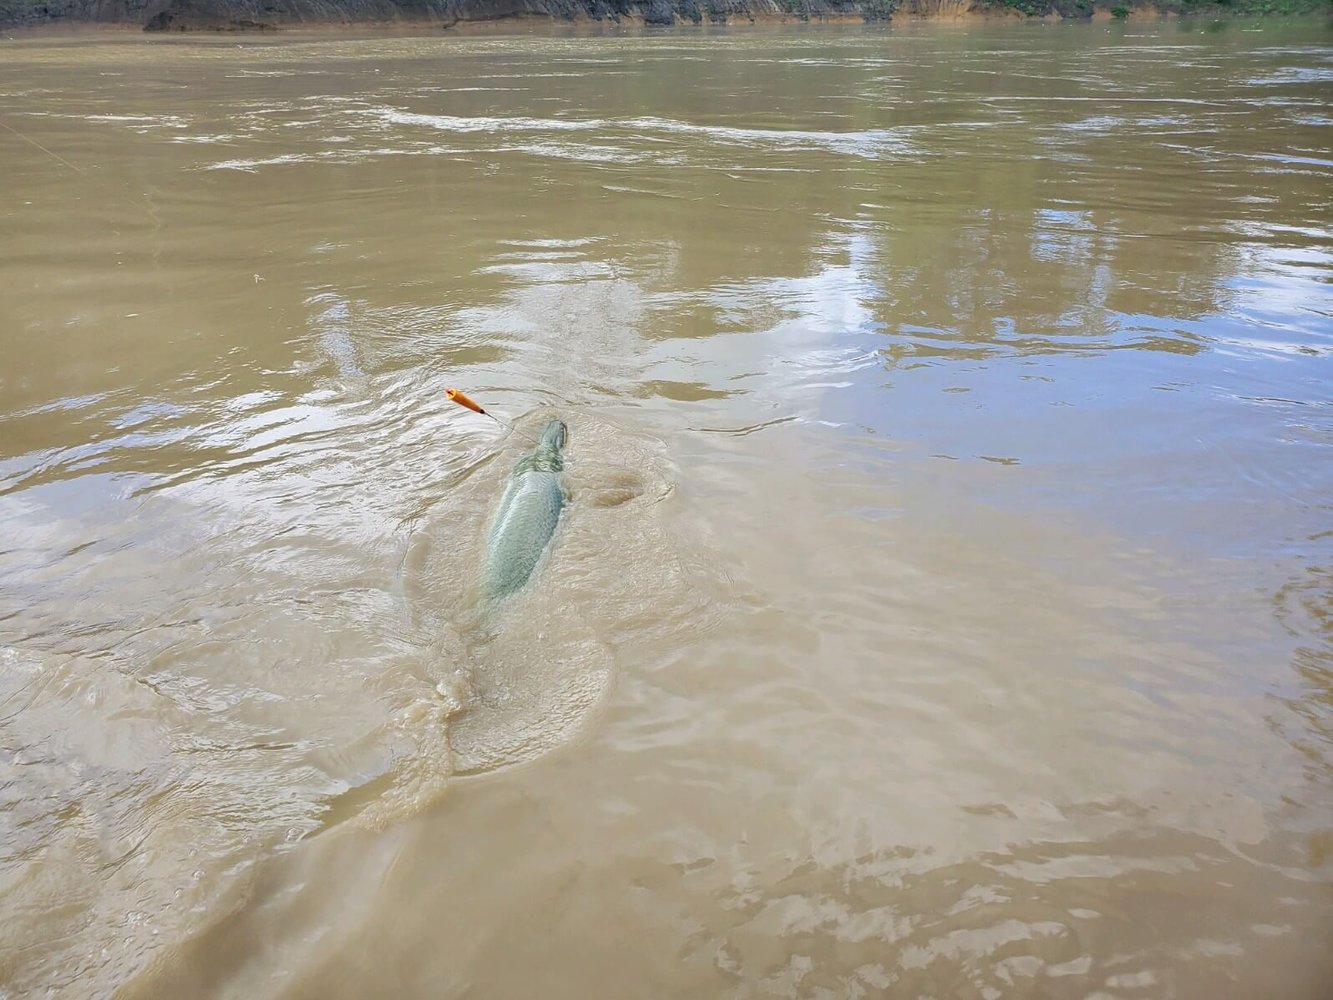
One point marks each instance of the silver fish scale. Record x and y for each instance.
(524, 522)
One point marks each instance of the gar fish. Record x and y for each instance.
(527, 515)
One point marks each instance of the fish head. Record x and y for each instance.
(554, 435)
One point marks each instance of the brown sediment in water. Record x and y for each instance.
(943, 604)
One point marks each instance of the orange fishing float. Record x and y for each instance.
(463, 399)
(468, 403)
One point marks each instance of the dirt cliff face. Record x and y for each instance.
(187, 15)
(938, 8)
(25, 12)
(223, 15)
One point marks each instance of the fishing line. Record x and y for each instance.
(34, 142)
(468, 403)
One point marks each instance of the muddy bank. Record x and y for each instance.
(266, 15)
(250, 15)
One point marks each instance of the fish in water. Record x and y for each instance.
(527, 515)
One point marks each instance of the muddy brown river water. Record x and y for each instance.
(942, 608)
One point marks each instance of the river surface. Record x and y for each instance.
(942, 608)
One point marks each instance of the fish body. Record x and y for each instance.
(527, 515)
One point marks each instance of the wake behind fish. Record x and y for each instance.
(529, 674)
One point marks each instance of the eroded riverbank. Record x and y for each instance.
(467, 16)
